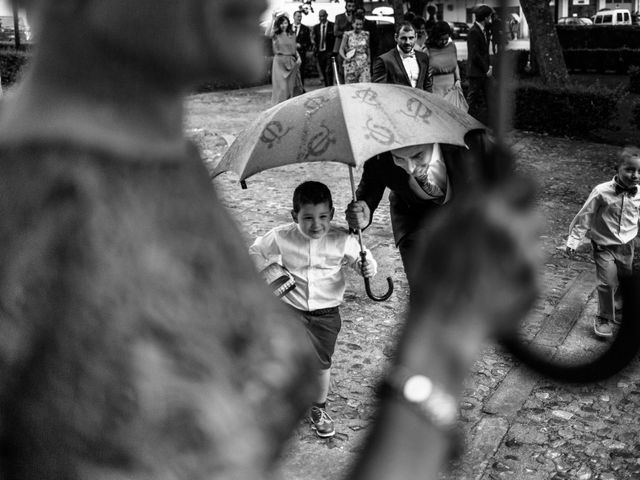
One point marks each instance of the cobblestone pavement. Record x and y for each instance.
(517, 425)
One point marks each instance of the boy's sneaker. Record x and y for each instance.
(321, 422)
(601, 327)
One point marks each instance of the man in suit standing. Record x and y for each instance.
(323, 41)
(344, 23)
(403, 65)
(303, 40)
(479, 69)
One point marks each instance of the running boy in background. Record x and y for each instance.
(610, 218)
(314, 252)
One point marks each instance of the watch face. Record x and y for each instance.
(417, 388)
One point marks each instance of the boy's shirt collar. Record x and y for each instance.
(619, 187)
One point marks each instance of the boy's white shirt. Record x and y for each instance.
(606, 217)
(315, 264)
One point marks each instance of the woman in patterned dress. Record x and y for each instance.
(356, 53)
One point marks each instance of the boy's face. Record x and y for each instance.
(313, 220)
(629, 172)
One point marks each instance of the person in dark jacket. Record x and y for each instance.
(402, 65)
(479, 69)
(323, 40)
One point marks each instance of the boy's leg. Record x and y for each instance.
(323, 327)
(321, 422)
(624, 265)
(607, 282)
(324, 378)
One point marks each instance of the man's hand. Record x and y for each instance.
(367, 269)
(358, 215)
(490, 72)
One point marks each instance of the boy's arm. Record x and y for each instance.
(352, 257)
(265, 250)
(581, 224)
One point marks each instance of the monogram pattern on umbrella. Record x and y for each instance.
(273, 133)
(419, 110)
(379, 133)
(314, 104)
(321, 141)
(367, 96)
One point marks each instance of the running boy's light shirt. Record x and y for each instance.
(316, 265)
(606, 217)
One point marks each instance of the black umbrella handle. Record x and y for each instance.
(367, 285)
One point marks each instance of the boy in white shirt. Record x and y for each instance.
(610, 218)
(314, 251)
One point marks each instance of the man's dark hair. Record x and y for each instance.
(482, 12)
(311, 193)
(418, 23)
(409, 16)
(404, 26)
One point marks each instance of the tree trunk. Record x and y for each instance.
(398, 10)
(16, 24)
(545, 46)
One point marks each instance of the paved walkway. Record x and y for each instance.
(517, 425)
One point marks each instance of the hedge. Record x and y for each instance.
(599, 36)
(11, 62)
(634, 79)
(573, 110)
(602, 59)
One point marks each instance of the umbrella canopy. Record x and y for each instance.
(346, 123)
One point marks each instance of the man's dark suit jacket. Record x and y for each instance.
(304, 39)
(408, 211)
(477, 53)
(388, 68)
(329, 37)
(342, 25)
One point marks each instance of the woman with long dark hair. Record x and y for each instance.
(285, 71)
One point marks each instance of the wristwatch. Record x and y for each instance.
(425, 397)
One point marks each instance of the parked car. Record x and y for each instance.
(608, 16)
(575, 21)
(459, 30)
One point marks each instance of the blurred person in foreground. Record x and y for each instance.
(138, 341)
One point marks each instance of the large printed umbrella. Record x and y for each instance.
(347, 124)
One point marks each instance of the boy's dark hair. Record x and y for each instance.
(627, 153)
(311, 193)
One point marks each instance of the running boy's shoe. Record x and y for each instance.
(321, 422)
(601, 327)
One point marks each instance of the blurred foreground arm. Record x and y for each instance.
(478, 277)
